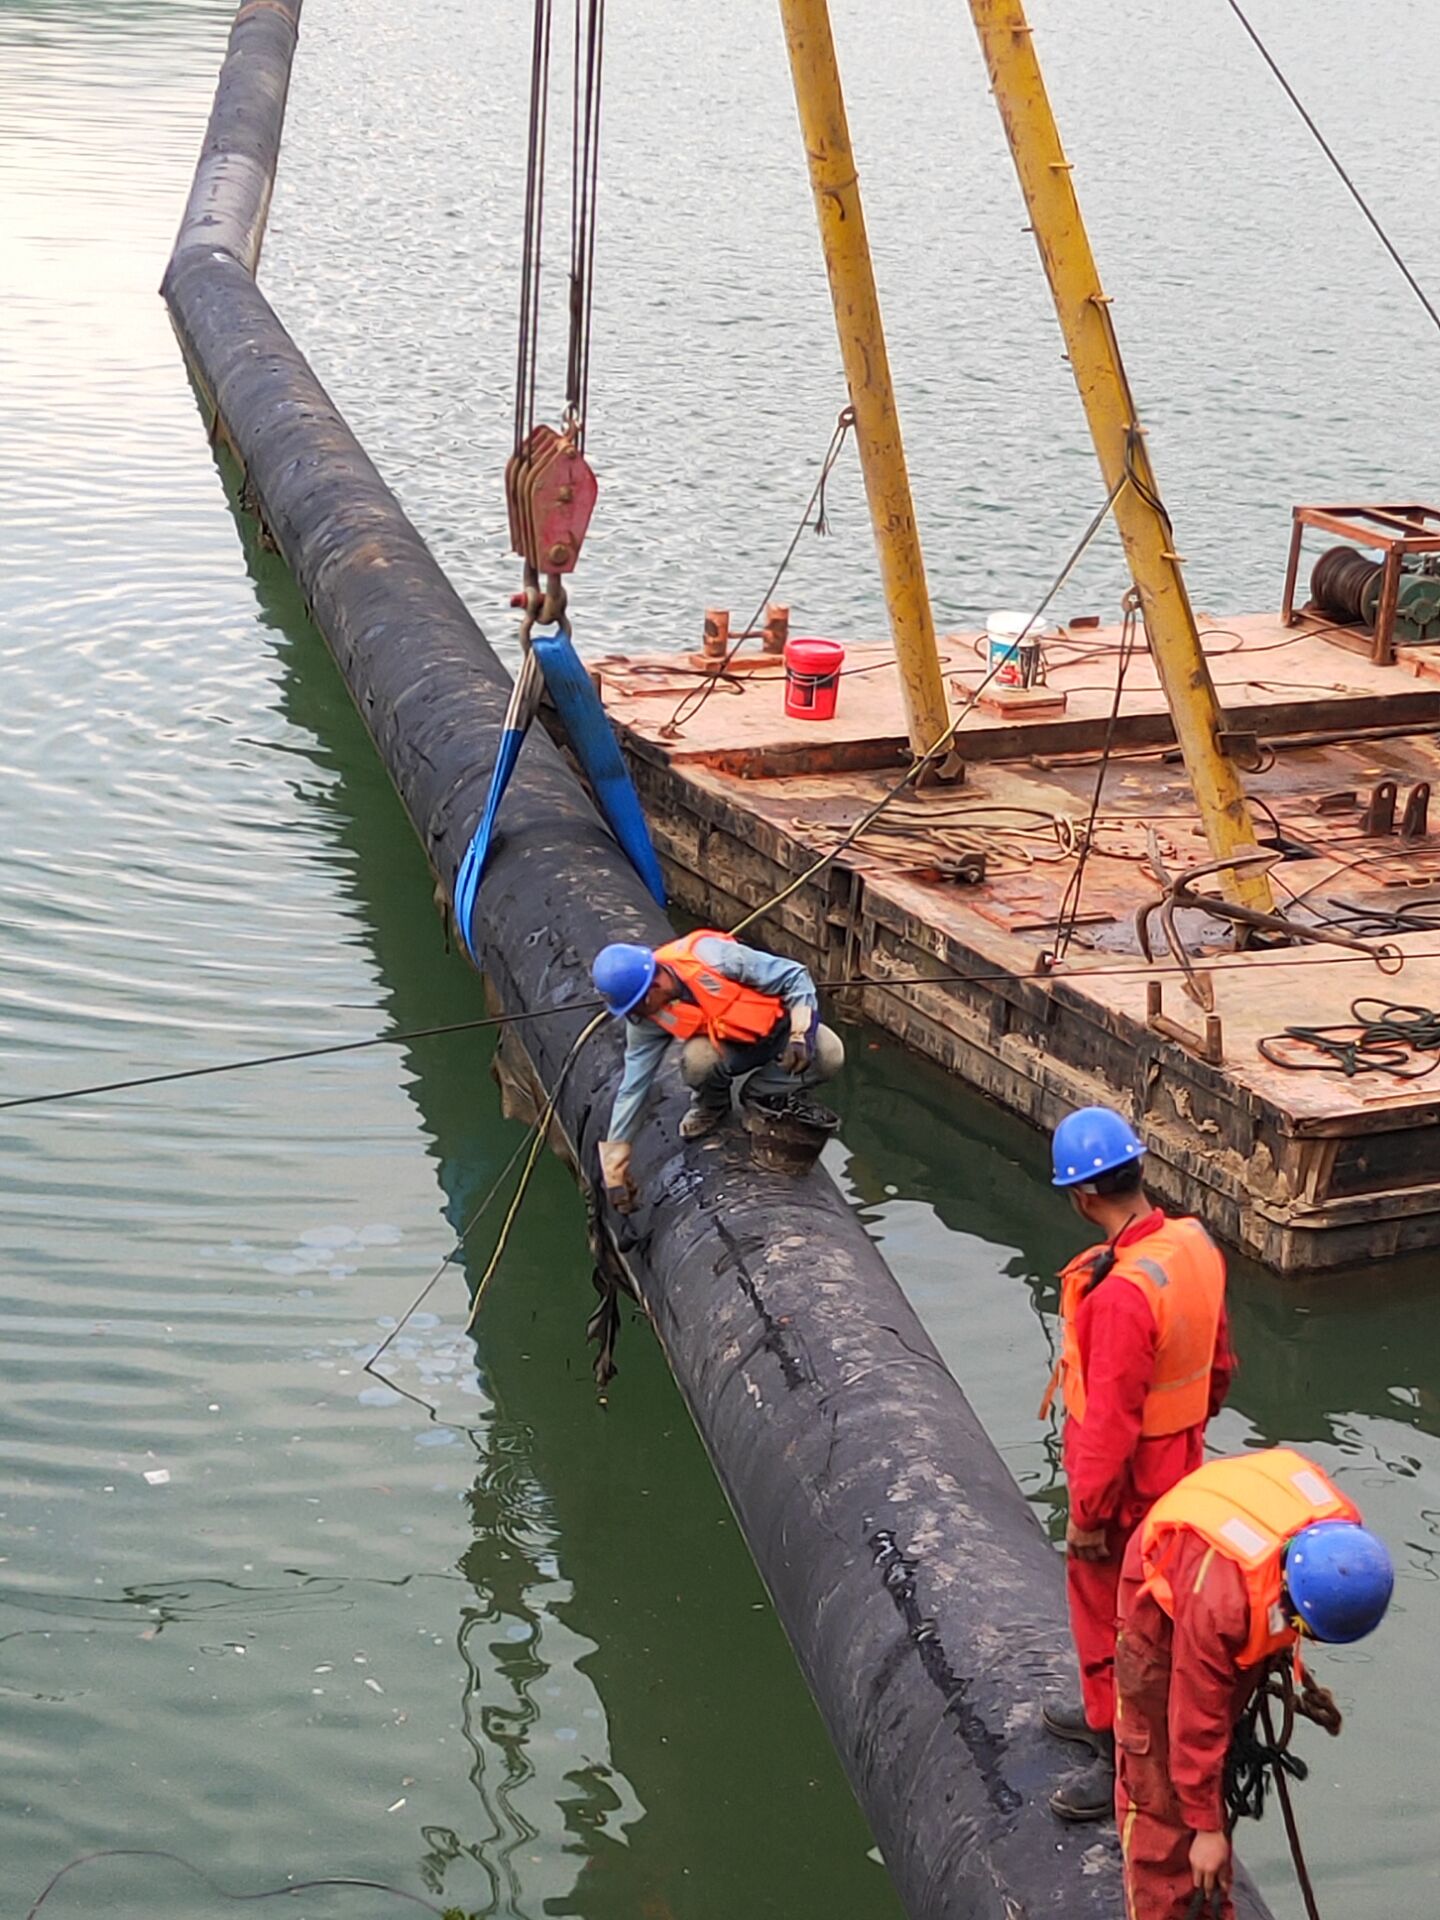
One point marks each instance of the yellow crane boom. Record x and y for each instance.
(826, 131)
(1084, 312)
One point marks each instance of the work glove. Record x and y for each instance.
(1083, 1545)
(620, 1189)
(800, 1047)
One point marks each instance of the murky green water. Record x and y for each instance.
(531, 1669)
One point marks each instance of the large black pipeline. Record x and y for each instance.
(922, 1600)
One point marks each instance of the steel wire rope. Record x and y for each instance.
(941, 746)
(1068, 915)
(586, 88)
(1334, 159)
(527, 350)
(689, 704)
(900, 982)
(298, 1053)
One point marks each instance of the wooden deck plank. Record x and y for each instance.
(1267, 676)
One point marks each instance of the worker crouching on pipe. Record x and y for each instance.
(1145, 1363)
(1230, 1570)
(742, 1016)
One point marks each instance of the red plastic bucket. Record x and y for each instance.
(812, 678)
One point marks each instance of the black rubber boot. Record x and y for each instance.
(1068, 1722)
(1089, 1795)
(702, 1118)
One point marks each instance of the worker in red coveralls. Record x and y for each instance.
(1145, 1362)
(1225, 1576)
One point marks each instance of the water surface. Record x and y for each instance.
(522, 1663)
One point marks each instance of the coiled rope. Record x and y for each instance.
(1384, 1036)
(1253, 1762)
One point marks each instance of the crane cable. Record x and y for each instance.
(531, 247)
(584, 184)
(586, 91)
(1334, 159)
(1068, 916)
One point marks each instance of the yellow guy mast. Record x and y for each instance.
(867, 366)
(1084, 311)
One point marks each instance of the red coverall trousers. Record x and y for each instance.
(1113, 1472)
(1179, 1693)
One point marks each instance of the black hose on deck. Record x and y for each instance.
(920, 1595)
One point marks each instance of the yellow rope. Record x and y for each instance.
(542, 1128)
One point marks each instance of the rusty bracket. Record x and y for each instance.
(1379, 815)
(1208, 1046)
(1242, 745)
(1415, 822)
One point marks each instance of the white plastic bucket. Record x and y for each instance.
(1014, 662)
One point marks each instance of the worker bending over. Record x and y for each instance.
(1145, 1362)
(741, 1015)
(1230, 1569)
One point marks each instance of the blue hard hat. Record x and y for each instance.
(1090, 1142)
(1339, 1579)
(622, 976)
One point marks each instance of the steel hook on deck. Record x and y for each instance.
(1182, 891)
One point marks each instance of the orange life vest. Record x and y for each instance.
(722, 1009)
(1246, 1509)
(1181, 1273)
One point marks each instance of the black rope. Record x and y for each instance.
(223, 1893)
(1383, 1036)
(1259, 1755)
(1333, 158)
(1252, 1762)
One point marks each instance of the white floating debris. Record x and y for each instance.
(158, 1476)
(327, 1237)
(374, 1686)
(396, 1805)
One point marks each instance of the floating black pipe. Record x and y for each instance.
(918, 1591)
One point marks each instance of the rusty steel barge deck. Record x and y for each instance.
(1305, 1170)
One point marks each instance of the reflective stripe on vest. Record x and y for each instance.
(1246, 1509)
(722, 1009)
(1181, 1273)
